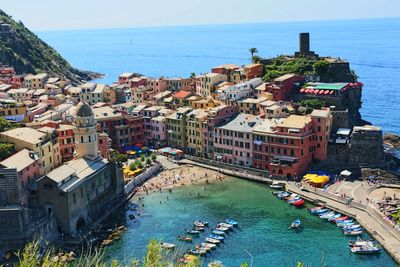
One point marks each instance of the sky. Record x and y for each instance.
(41, 15)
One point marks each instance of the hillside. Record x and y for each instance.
(27, 53)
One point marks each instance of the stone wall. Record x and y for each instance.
(366, 146)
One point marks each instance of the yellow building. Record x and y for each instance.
(204, 103)
(208, 82)
(43, 143)
(194, 122)
(250, 105)
(14, 112)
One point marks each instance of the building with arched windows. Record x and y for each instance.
(77, 192)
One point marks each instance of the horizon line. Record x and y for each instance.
(210, 24)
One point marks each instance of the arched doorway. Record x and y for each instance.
(80, 224)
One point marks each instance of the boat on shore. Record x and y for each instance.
(295, 224)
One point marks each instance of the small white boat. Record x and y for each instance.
(231, 222)
(352, 227)
(212, 240)
(221, 228)
(227, 225)
(355, 232)
(208, 245)
(168, 245)
(367, 249)
(276, 185)
(327, 215)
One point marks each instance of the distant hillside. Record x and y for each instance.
(27, 53)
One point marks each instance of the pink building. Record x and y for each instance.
(137, 82)
(322, 125)
(158, 85)
(159, 131)
(216, 116)
(28, 169)
(233, 142)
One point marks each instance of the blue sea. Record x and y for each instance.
(372, 47)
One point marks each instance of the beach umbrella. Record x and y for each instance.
(301, 90)
(331, 92)
(321, 92)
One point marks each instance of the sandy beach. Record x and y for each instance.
(180, 176)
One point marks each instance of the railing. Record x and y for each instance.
(141, 178)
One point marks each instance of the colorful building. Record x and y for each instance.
(194, 132)
(283, 87)
(176, 127)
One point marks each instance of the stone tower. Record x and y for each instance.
(304, 46)
(85, 132)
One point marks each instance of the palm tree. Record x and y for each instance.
(253, 50)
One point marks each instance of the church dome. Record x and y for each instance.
(83, 110)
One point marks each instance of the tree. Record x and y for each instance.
(4, 124)
(143, 158)
(313, 103)
(6, 150)
(253, 51)
(120, 157)
(153, 156)
(148, 161)
(192, 75)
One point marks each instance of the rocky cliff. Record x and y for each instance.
(27, 53)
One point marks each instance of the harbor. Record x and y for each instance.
(262, 234)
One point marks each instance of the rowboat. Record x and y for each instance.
(221, 228)
(343, 218)
(218, 237)
(197, 228)
(198, 224)
(345, 223)
(218, 232)
(200, 247)
(211, 246)
(283, 195)
(212, 240)
(326, 215)
(293, 199)
(276, 185)
(168, 245)
(354, 232)
(334, 217)
(299, 203)
(295, 224)
(185, 238)
(312, 210)
(352, 227)
(231, 222)
(192, 232)
(227, 225)
(319, 211)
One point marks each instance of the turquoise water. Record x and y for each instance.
(372, 47)
(263, 231)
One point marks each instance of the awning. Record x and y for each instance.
(302, 90)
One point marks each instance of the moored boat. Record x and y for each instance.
(299, 203)
(212, 240)
(326, 215)
(209, 245)
(283, 195)
(217, 232)
(227, 225)
(354, 232)
(337, 215)
(198, 224)
(197, 251)
(221, 228)
(218, 237)
(185, 238)
(231, 222)
(276, 185)
(343, 218)
(319, 211)
(352, 227)
(295, 224)
(345, 223)
(197, 228)
(192, 232)
(168, 245)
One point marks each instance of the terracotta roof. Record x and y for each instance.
(182, 94)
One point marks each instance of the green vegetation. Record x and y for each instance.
(281, 66)
(253, 51)
(27, 53)
(143, 158)
(313, 103)
(153, 156)
(6, 150)
(132, 166)
(148, 161)
(120, 157)
(321, 67)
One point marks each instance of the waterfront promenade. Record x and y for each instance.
(365, 214)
